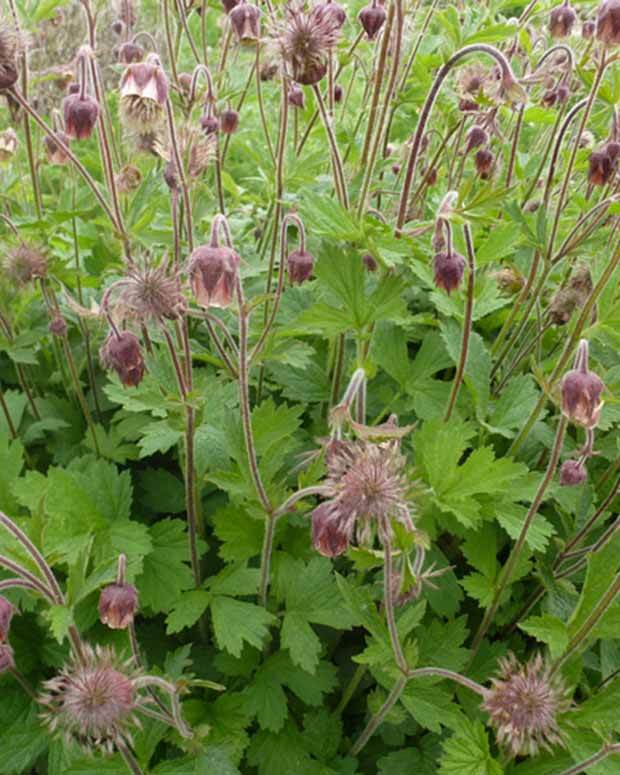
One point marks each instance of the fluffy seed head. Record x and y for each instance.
(523, 703)
(123, 354)
(6, 614)
(213, 273)
(92, 702)
(81, 114)
(573, 472)
(607, 29)
(561, 20)
(150, 293)
(25, 263)
(144, 92)
(448, 270)
(306, 39)
(299, 265)
(118, 604)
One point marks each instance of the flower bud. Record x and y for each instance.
(295, 96)
(372, 17)
(600, 167)
(607, 29)
(185, 82)
(476, 137)
(81, 114)
(245, 21)
(395, 168)
(118, 27)
(581, 391)
(561, 20)
(448, 270)
(587, 30)
(299, 265)
(122, 353)
(6, 614)
(210, 125)
(370, 262)
(484, 163)
(55, 154)
(118, 604)
(57, 326)
(328, 536)
(213, 272)
(7, 662)
(229, 121)
(129, 53)
(572, 472)
(338, 93)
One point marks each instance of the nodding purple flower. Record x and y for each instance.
(484, 160)
(121, 352)
(143, 95)
(476, 137)
(81, 113)
(561, 20)
(305, 41)
(572, 473)
(118, 604)
(581, 391)
(245, 21)
(587, 30)
(523, 703)
(372, 17)
(7, 661)
(6, 614)
(607, 29)
(600, 167)
(93, 701)
(129, 53)
(299, 265)
(448, 270)
(213, 272)
(229, 121)
(330, 536)
(9, 48)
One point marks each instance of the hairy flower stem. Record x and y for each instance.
(508, 570)
(129, 759)
(183, 18)
(7, 415)
(23, 682)
(378, 718)
(27, 580)
(388, 600)
(337, 166)
(261, 105)
(590, 623)
(178, 163)
(607, 750)
(427, 108)
(189, 469)
(439, 672)
(396, 8)
(467, 324)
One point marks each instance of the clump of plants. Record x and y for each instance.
(308, 374)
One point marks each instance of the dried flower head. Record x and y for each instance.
(25, 263)
(561, 20)
(54, 152)
(144, 92)
(7, 661)
(128, 179)
(9, 49)
(448, 270)
(213, 272)
(305, 41)
(372, 17)
(509, 280)
(581, 391)
(608, 22)
(118, 604)
(150, 292)
(524, 703)
(122, 353)
(81, 113)
(6, 614)
(92, 701)
(8, 144)
(573, 472)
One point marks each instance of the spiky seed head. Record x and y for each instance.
(6, 614)
(81, 114)
(561, 20)
(118, 604)
(92, 701)
(54, 152)
(607, 29)
(150, 293)
(448, 270)
(213, 273)
(305, 41)
(523, 703)
(573, 472)
(25, 263)
(144, 92)
(299, 265)
(122, 353)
